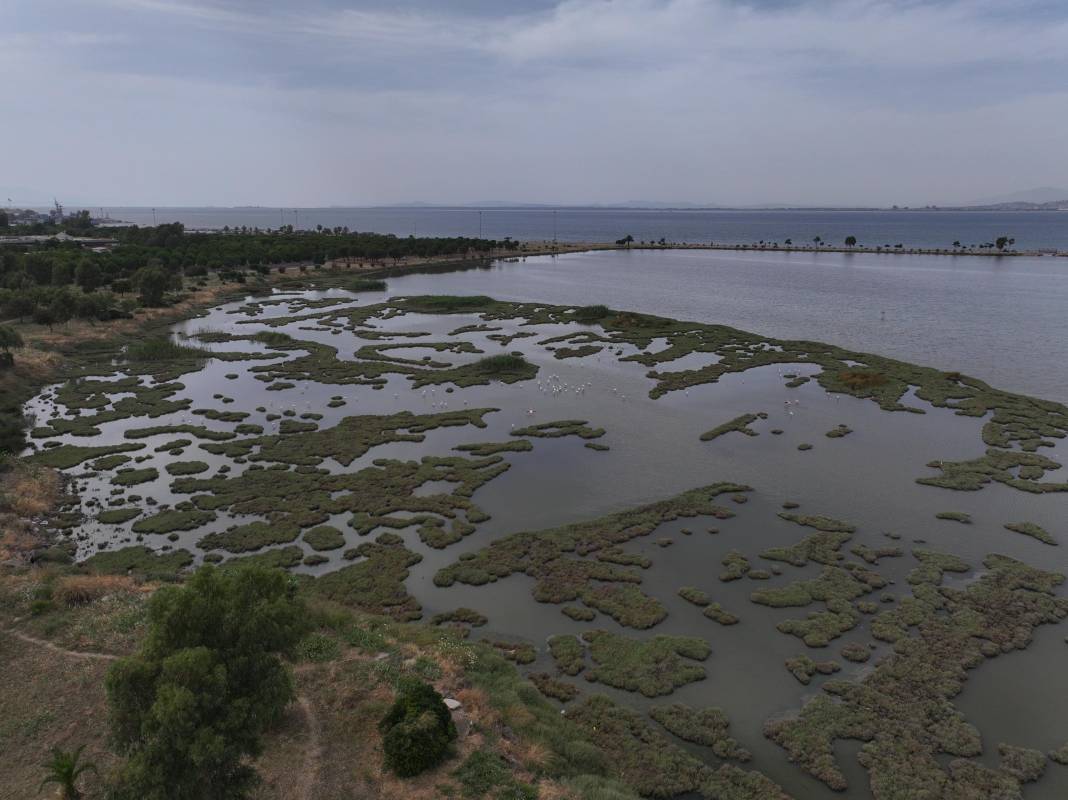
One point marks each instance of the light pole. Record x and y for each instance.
(479, 224)
(554, 229)
(296, 216)
(153, 216)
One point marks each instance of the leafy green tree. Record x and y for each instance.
(190, 709)
(43, 315)
(1003, 241)
(152, 283)
(64, 769)
(9, 340)
(62, 274)
(87, 275)
(851, 241)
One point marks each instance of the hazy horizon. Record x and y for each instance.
(782, 102)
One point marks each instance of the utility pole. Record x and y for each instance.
(554, 230)
(153, 216)
(281, 219)
(296, 215)
(479, 224)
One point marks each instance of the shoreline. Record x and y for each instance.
(858, 250)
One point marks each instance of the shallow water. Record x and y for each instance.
(867, 478)
(1004, 320)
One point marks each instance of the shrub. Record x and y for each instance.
(319, 648)
(591, 313)
(417, 731)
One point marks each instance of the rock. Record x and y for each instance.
(452, 704)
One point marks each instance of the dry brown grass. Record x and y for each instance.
(551, 790)
(862, 379)
(28, 490)
(80, 590)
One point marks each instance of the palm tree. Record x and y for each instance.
(64, 769)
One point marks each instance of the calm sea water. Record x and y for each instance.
(1004, 320)
(1032, 230)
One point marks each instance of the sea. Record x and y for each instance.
(1032, 230)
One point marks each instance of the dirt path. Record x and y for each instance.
(56, 648)
(313, 753)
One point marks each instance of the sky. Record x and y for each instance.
(327, 102)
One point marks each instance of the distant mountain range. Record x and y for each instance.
(1043, 195)
(1037, 199)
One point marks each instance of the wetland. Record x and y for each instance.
(727, 557)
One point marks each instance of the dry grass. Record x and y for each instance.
(49, 700)
(79, 590)
(28, 491)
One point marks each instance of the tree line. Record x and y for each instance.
(58, 280)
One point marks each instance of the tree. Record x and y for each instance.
(956, 243)
(3, 219)
(818, 240)
(62, 274)
(9, 340)
(43, 315)
(1002, 241)
(851, 241)
(152, 284)
(64, 769)
(87, 275)
(190, 709)
(626, 241)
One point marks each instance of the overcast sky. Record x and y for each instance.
(190, 102)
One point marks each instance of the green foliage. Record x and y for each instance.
(64, 769)
(190, 709)
(365, 285)
(740, 424)
(955, 516)
(117, 516)
(318, 648)
(140, 561)
(417, 731)
(706, 726)
(324, 537)
(483, 772)
(9, 340)
(152, 283)
(1032, 530)
(161, 348)
(654, 667)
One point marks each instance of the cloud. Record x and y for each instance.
(821, 101)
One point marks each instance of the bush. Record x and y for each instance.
(591, 313)
(417, 731)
